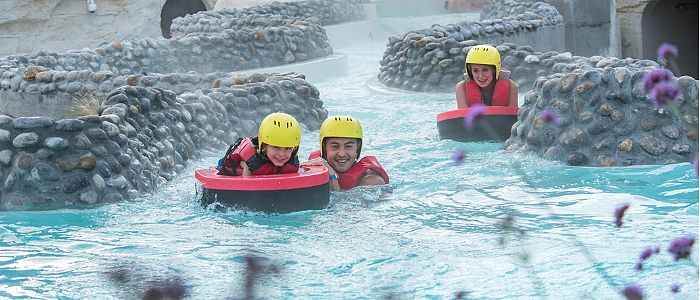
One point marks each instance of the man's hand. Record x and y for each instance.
(319, 161)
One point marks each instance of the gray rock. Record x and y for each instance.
(652, 145)
(576, 159)
(24, 140)
(56, 143)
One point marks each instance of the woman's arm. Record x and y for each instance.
(461, 94)
(513, 102)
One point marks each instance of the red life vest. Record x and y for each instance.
(501, 93)
(351, 177)
(245, 150)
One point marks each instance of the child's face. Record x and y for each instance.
(278, 155)
(482, 74)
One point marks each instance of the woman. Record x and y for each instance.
(485, 87)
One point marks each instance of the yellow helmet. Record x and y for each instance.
(342, 127)
(279, 129)
(483, 55)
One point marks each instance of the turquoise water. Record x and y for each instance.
(437, 233)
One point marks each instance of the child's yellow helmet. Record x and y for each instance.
(279, 129)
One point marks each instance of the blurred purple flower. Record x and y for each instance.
(666, 50)
(173, 288)
(664, 92)
(680, 247)
(619, 213)
(474, 113)
(638, 266)
(654, 77)
(550, 116)
(646, 253)
(632, 292)
(675, 288)
(458, 156)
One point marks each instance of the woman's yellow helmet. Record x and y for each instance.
(483, 55)
(279, 129)
(342, 127)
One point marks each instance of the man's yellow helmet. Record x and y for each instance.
(342, 127)
(279, 129)
(483, 55)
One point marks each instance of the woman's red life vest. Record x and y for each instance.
(501, 93)
(352, 176)
(245, 150)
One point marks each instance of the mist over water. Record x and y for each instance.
(435, 235)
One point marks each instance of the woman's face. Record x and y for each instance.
(483, 75)
(278, 155)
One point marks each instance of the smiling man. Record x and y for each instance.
(341, 143)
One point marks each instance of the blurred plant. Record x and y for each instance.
(510, 231)
(680, 247)
(550, 116)
(620, 213)
(644, 255)
(473, 114)
(256, 267)
(458, 156)
(85, 104)
(172, 288)
(632, 292)
(663, 91)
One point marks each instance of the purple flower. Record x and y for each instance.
(458, 156)
(638, 266)
(550, 116)
(473, 113)
(646, 253)
(632, 292)
(680, 247)
(619, 213)
(675, 288)
(654, 77)
(664, 92)
(666, 50)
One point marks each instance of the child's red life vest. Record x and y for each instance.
(245, 149)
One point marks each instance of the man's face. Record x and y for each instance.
(341, 153)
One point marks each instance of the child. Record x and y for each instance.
(484, 87)
(273, 151)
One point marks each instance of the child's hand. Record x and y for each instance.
(244, 166)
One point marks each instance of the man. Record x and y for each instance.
(341, 142)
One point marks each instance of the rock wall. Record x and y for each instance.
(433, 59)
(89, 70)
(605, 119)
(324, 12)
(140, 138)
